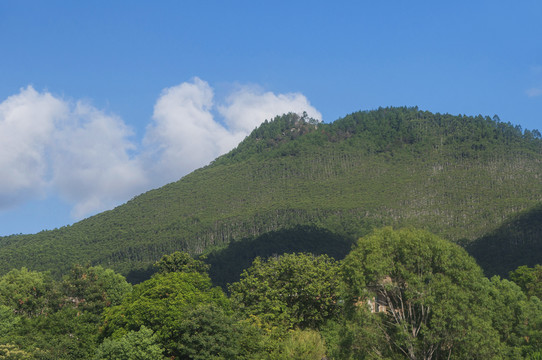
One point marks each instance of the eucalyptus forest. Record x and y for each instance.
(394, 233)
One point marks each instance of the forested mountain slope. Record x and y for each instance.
(518, 241)
(460, 177)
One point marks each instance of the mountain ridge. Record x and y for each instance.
(458, 176)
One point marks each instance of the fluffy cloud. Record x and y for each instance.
(48, 145)
(248, 107)
(27, 121)
(186, 135)
(53, 147)
(92, 168)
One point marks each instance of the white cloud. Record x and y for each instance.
(248, 107)
(91, 163)
(185, 135)
(49, 146)
(53, 147)
(27, 121)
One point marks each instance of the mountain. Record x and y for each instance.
(460, 177)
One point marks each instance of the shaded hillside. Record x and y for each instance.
(228, 263)
(457, 176)
(516, 242)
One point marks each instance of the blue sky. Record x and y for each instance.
(103, 100)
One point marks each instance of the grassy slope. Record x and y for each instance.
(459, 177)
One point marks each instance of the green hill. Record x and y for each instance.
(460, 177)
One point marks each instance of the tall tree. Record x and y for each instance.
(161, 304)
(296, 290)
(93, 288)
(432, 300)
(28, 293)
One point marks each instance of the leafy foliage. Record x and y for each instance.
(8, 319)
(135, 345)
(302, 345)
(517, 318)
(12, 352)
(94, 288)
(64, 334)
(297, 290)
(207, 332)
(27, 292)
(528, 279)
(42, 318)
(161, 304)
(432, 300)
(429, 292)
(182, 262)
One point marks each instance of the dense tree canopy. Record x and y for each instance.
(27, 292)
(517, 318)
(135, 345)
(94, 288)
(398, 294)
(427, 291)
(41, 318)
(299, 290)
(161, 304)
(181, 262)
(529, 279)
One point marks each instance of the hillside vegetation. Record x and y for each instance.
(460, 177)
(397, 294)
(517, 242)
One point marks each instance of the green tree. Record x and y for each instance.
(65, 334)
(208, 332)
(529, 279)
(8, 319)
(161, 304)
(39, 319)
(135, 345)
(295, 290)
(432, 300)
(28, 293)
(517, 318)
(92, 288)
(182, 262)
(301, 345)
